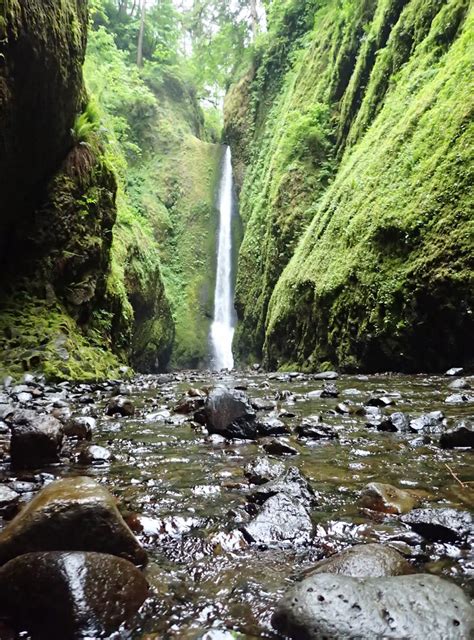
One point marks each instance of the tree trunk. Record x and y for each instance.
(254, 18)
(141, 33)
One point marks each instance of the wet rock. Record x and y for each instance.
(77, 594)
(261, 404)
(365, 561)
(341, 607)
(121, 406)
(281, 519)
(459, 383)
(461, 436)
(271, 426)
(455, 371)
(24, 397)
(263, 470)
(428, 423)
(228, 413)
(292, 483)
(74, 514)
(315, 431)
(93, 454)
(381, 402)
(444, 525)
(326, 375)
(397, 421)
(386, 498)
(278, 448)
(285, 395)
(189, 404)
(81, 427)
(36, 441)
(8, 501)
(459, 398)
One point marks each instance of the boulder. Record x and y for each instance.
(292, 483)
(75, 514)
(454, 371)
(77, 594)
(278, 448)
(397, 421)
(271, 426)
(263, 470)
(444, 525)
(8, 501)
(365, 561)
(120, 406)
(341, 607)
(326, 375)
(261, 404)
(386, 498)
(459, 383)
(81, 427)
(228, 413)
(281, 519)
(36, 440)
(315, 431)
(461, 436)
(93, 454)
(428, 423)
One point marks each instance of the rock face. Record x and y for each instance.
(75, 514)
(79, 594)
(35, 441)
(281, 520)
(228, 413)
(341, 607)
(365, 561)
(386, 498)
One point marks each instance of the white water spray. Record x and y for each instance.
(222, 330)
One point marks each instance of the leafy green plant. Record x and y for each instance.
(87, 123)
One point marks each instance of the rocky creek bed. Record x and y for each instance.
(236, 488)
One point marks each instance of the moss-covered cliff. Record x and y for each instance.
(358, 249)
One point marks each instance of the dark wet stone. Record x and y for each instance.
(261, 404)
(315, 431)
(397, 421)
(74, 514)
(379, 401)
(8, 500)
(329, 391)
(345, 407)
(454, 371)
(326, 375)
(120, 406)
(271, 426)
(365, 561)
(341, 607)
(461, 436)
(35, 442)
(428, 423)
(263, 470)
(81, 427)
(6, 410)
(278, 448)
(386, 498)
(93, 454)
(76, 595)
(444, 525)
(285, 395)
(281, 519)
(292, 483)
(228, 413)
(189, 404)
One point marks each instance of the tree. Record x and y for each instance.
(141, 33)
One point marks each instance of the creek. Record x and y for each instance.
(185, 494)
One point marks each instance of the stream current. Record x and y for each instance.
(184, 492)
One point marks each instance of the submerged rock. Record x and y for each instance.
(444, 525)
(36, 440)
(263, 470)
(461, 436)
(74, 514)
(365, 561)
(281, 519)
(386, 498)
(120, 406)
(228, 413)
(73, 594)
(341, 607)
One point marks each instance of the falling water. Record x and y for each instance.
(222, 331)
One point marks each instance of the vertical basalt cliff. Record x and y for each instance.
(59, 313)
(353, 143)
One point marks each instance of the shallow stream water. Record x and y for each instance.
(184, 492)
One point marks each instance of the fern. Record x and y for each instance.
(86, 124)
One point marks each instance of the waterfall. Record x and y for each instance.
(222, 330)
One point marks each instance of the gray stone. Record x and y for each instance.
(36, 441)
(428, 423)
(93, 454)
(228, 413)
(444, 525)
(341, 608)
(292, 483)
(459, 383)
(263, 470)
(81, 427)
(78, 595)
(278, 448)
(121, 406)
(461, 436)
(454, 371)
(397, 421)
(326, 375)
(271, 426)
(365, 561)
(280, 520)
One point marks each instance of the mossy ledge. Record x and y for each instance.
(356, 197)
